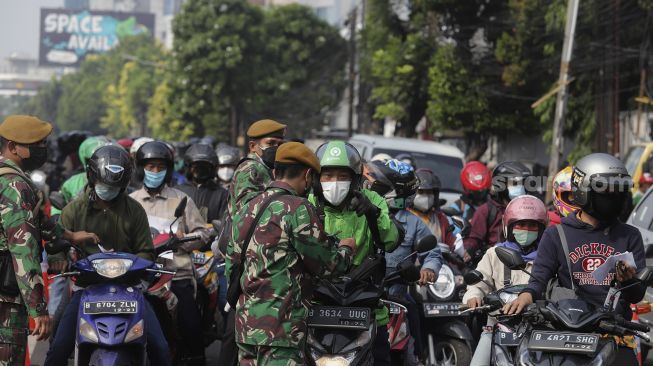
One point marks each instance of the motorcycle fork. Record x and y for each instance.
(431, 349)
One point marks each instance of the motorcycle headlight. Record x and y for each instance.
(112, 267)
(87, 331)
(445, 284)
(135, 332)
(339, 360)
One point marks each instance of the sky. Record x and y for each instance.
(19, 25)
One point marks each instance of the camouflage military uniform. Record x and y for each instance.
(250, 179)
(21, 236)
(288, 245)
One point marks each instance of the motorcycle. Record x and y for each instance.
(504, 332)
(571, 331)
(449, 340)
(341, 322)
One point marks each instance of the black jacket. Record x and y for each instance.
(210, 198)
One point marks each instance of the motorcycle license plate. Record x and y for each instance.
(563, 342)
(111, 307)
(441, 309)
(198, 257)
(338, 317)
(393, 308)
(506, 338)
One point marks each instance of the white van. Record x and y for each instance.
(443, 160)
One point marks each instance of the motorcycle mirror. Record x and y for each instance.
(57, 200)
(426, 243)
(510, 258)
(649, 251)
(450, 211)
(57, 246)
(216, 224)
(179, 211)
(473, 277)
(645, 275)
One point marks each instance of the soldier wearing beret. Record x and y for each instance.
(287, 247)
(23, 143)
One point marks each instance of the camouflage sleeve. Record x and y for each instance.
(23, 240)
(248, 182)
(387, 228)
(321, 256)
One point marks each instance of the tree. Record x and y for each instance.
(236, 63)
(163, 120)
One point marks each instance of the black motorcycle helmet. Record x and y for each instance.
(505, 173)
(154, 150)
(201, 153)
(429, 182)
(401, 178)
(109, 165)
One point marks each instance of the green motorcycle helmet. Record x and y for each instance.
(88, 147)
(339, 154)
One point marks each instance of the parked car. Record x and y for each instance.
(639, 160)
(445, 161)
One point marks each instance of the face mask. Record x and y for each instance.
(225, 173)
(202, 173)
(335, 192)
(525, 237)
(105, 192)
(38, 155)
(478, 197)
(269, 154)
(179, 165)
(154, 180)
(606, 207)
(424, 202)
(516, 191)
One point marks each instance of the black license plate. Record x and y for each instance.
(441, 309)
(563, 342)
(338, 317)
(111, 307)
(506, 338)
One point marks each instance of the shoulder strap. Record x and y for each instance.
(8, 169)
(252, 227)
(565, 248)
(506, 276)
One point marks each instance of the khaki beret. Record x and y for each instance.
(24, 129)
(265, 128)
(297, 153)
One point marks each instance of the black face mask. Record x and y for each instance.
(606, 207)
(202, 173)
(477, 198)
(38, 155)
(269, 155)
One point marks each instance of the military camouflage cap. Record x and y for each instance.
(266, 128)
(24, 129)
(297, 153)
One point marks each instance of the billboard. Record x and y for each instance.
(67, 36)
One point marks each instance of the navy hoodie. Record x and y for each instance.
(589, 247)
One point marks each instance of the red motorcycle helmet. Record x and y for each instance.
(475, 176)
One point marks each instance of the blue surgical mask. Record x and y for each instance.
(525, 237)
(516, 191)
(154, 180)
(105, 192)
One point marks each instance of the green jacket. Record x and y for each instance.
(70, 189)
(347, 224)
(123, 227)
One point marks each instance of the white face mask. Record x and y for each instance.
(225, 173)
(335, 192)
(423, 202)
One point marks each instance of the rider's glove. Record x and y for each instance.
(362, 205)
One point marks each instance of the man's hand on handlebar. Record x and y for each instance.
(349, 242)
(426, 276)
(474, 302)
(57, 266)
(519, 304)
(80, 238)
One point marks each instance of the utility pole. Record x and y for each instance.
(561, 100)
(352, 69)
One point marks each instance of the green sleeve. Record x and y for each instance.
(321, 257)
(387, 228)
(142, 243)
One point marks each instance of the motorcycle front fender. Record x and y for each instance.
(453, 328)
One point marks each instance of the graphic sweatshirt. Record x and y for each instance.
(589, 247)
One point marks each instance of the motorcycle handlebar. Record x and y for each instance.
(635, 326)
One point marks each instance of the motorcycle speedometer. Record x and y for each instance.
(445, 285)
